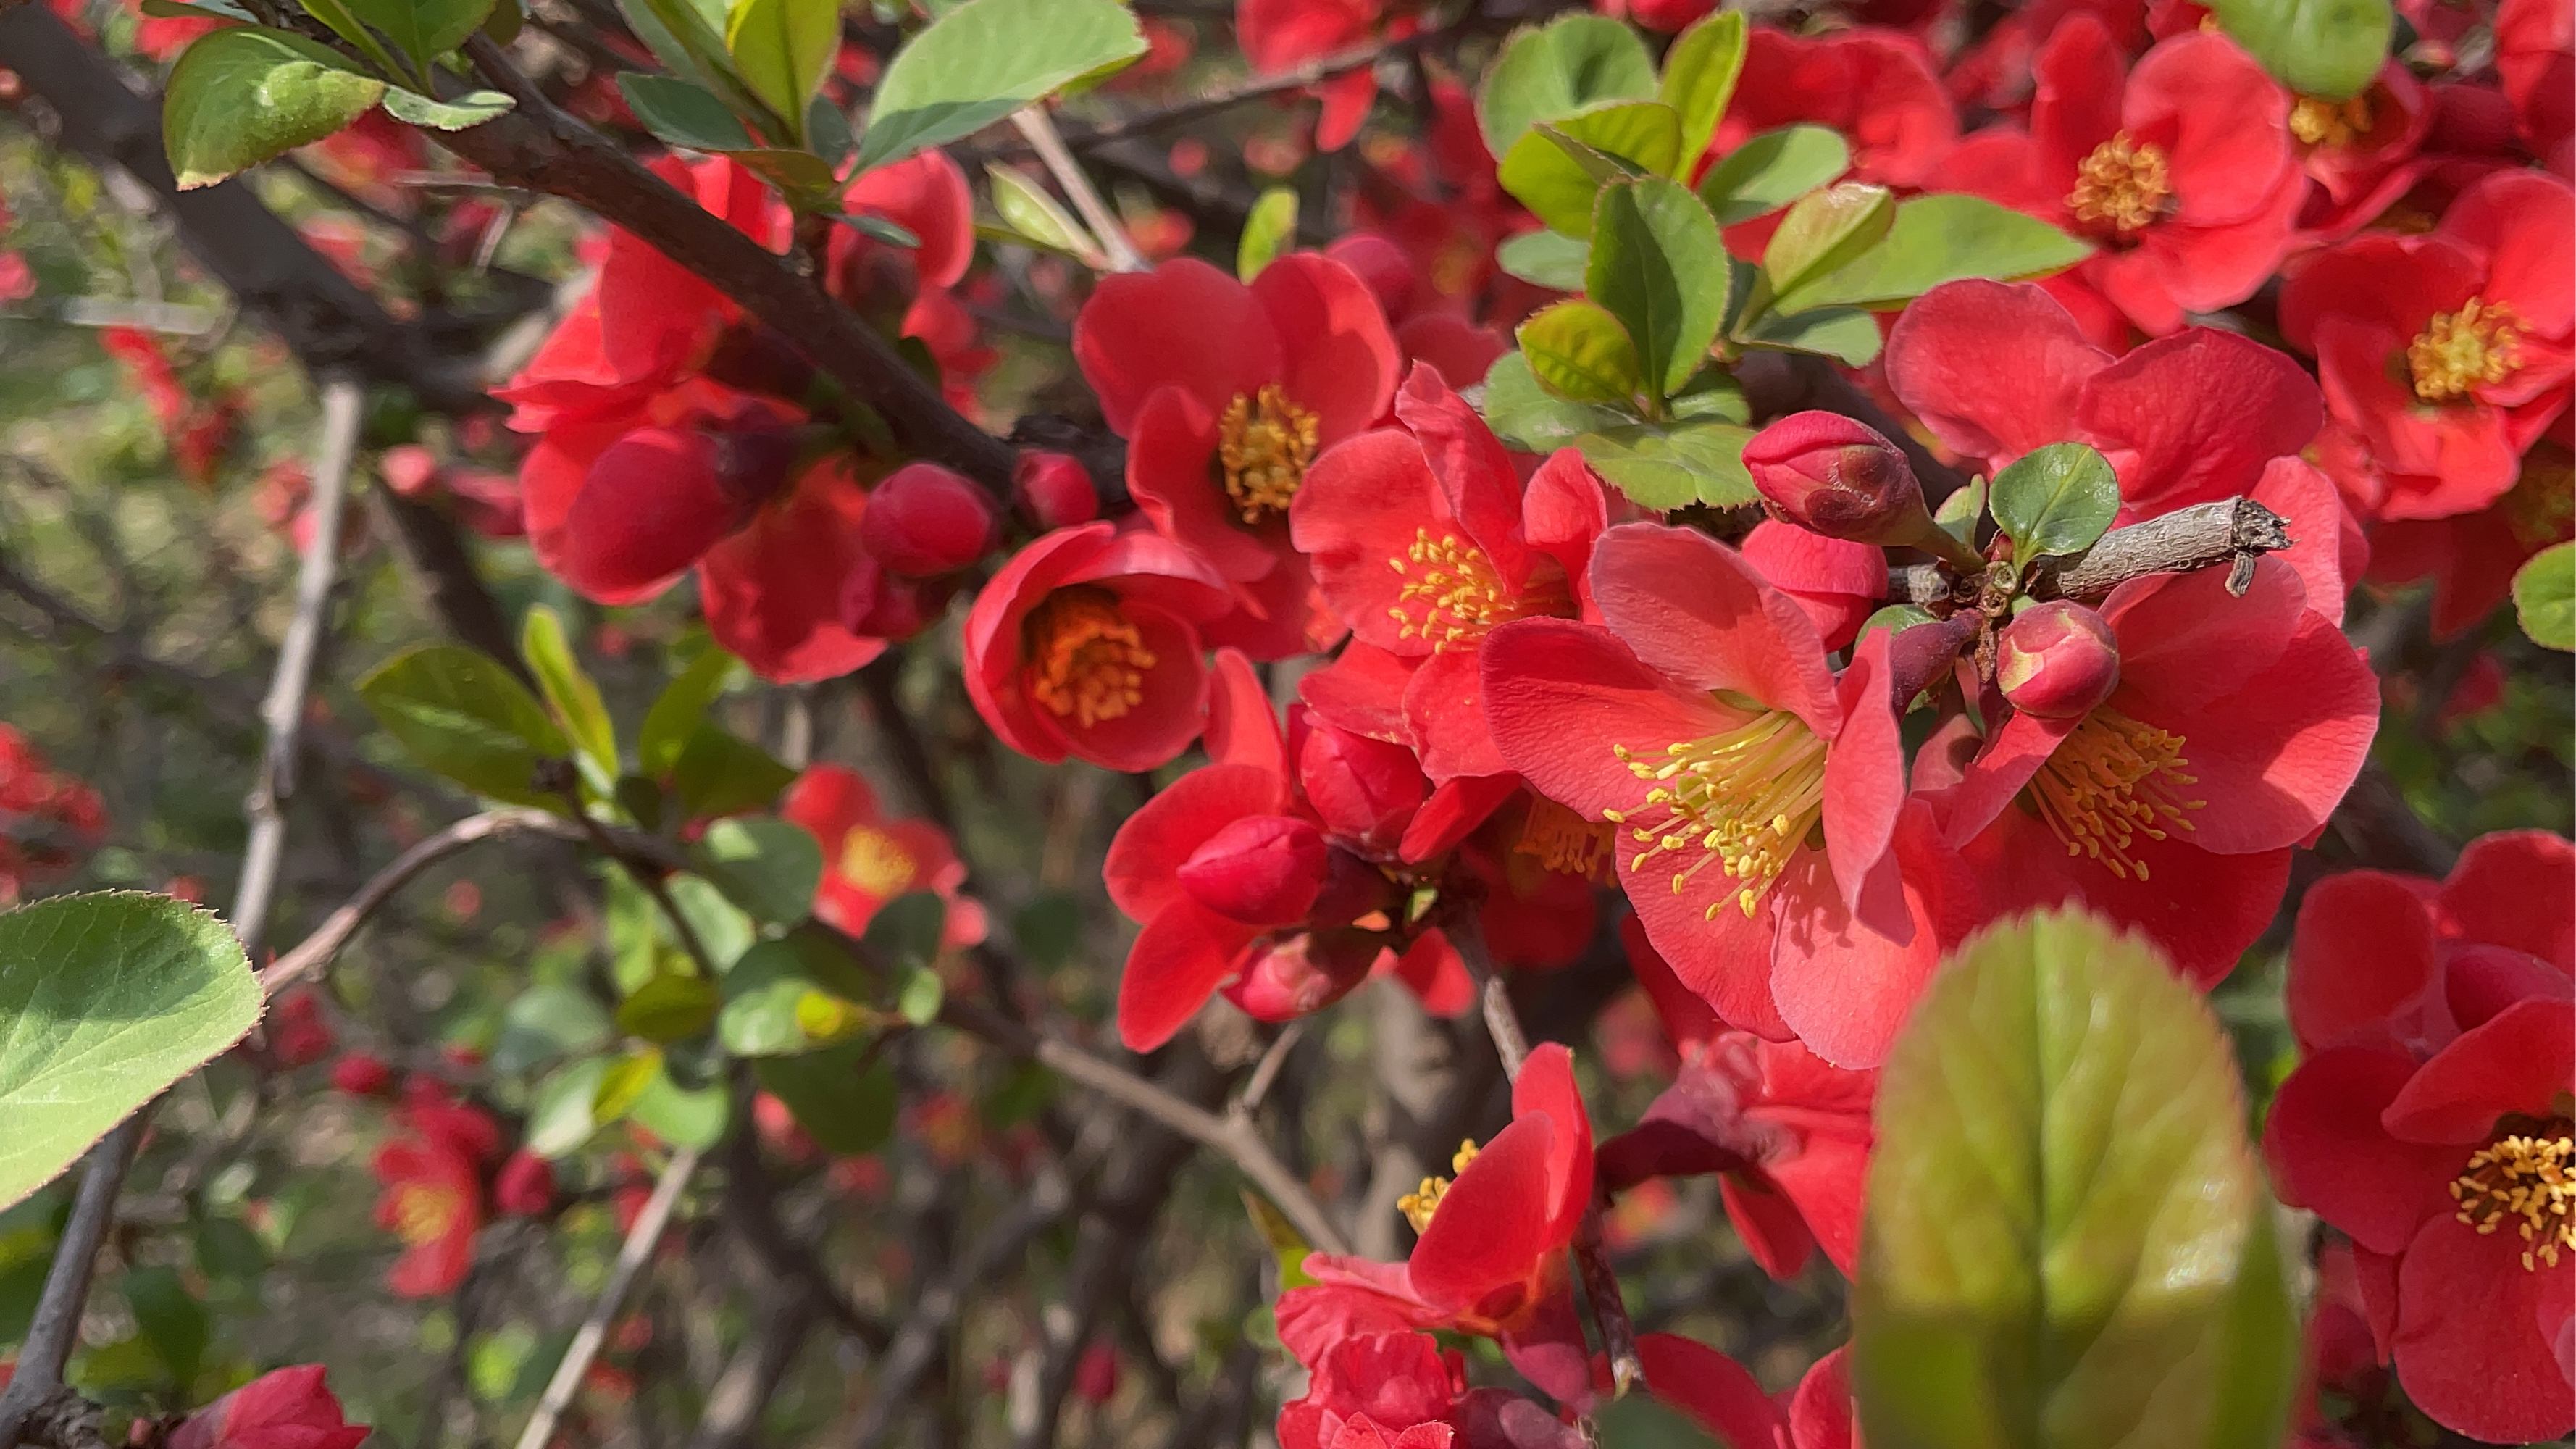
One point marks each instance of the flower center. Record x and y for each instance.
(2317, 121)
(874, 862)
(2530, 1179)
(1452, 593)
(2108, 783)
(1744, 800)
(2122, 185)
(425, 1212)
(1265, 442)
(1418, 1205)
(1565, 842)
(2477, 346)
(1085, 659)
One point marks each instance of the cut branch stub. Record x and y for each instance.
(2232, 531)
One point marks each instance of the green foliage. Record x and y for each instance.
(986, 59)
(1268, 233)
(1771, 170)
(1700, 72)
(2055, 500)
(687, 37)
(766, 994)
(1936, 239)
(843, 1096)
(683, 113)
(669, 1008)
(1825, 230)
(765, 865)
(1033, 215)
(470, 109)
(1531, 418)
(2544, 597)
(2067, 1240)
(571, 696)
(1655, 253)
(465, 716)
(1560, 166)
(782, 49)
(2327, 48)
(239, 97)
(719, 774)
(545, 1023)
(560, 1119)
(1544, 258)
(423, 29)
(1579, 351)
(1845, 334)
(1671, 467)
(107, 1000)
(680, 708)
(1549, 73)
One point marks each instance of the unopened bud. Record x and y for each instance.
(2057, 661)
(1056, 488)
(525, 1187)
(361, 1075)
(1829, 474)
(657, 498)
(1303, 974)
(1264, 870)
(925, 520)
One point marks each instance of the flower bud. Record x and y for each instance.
(525, 1187)
(1843, 479)
(1056, 489)
(1365, 789)
(1303, 974)
(1263, 870)
(361, 1075)
(1379, 263)
(657, 498)
(925, 520)
(2057, 661)
(1095, 1374)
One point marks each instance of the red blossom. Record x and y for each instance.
(1721, 1396)
(869, 860)
(1279, 35)
(1874, 86)
(290, 1408)
(433, 1193)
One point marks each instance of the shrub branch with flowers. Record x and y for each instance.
(1341, 724)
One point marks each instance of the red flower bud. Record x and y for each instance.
(1381, 264)
(2057, 661)
(526, 1186)
(1843, 479)
(924, 520)
(1303, 974)
(1056, 488)
(657, 498)
(1095, 1374)
(361, 1075)
(1366, 790)
(1263, 870)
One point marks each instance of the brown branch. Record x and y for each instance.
(2233, 531)
(316, 951)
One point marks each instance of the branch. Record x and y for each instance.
(37, 1386)
(316, 952)
(586, 1341)
(2232, 531)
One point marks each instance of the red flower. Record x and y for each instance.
(290, 1408)
(2536, 56)
(2446, 355)
(2181, 169)
(1789, 1133)
(1278, 35)
(297, 1033)
(1087, 644)
(1722, 1397)
(1709, 677)
(869, 860)
(2363, 153)
(526, 1186)
(1492, 1258)
(1424, 542)
(46, 798)
(1228, 393)
(2472, 558)
(433, 1193)
(2431, 1123)
(1839, 583)
(1874, 86)
(1392, 1382)
(912, 288)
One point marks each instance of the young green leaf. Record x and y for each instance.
(571, 694)
(239, 97)
(1558, 167)
(424, 29)
(105, 1000)
(2055, 500)
(682, 113)
(1666, 467)
(2544, 597)
(2064, 1237)
(844, 1103)
(782, 49)
(682, 1116)
(986, 59)
(623, 1084)
(1700, 72)
(333, 13)
(1771, 170)
(460, 713)
(680, 709)
(1549, 259)
(1845, 334)
(1579, 351)
(909, 929)
(1658, 265)
(1027, 210)
(718, 774)
(763, 864)
(670, 1007)
(1938, 239)
(1268, 232)
(2324, 48)
(687, 37)
(470, 109)
(1545, 74)
(560, 1118)
(1532, 419)
(1960, 511)
(1824, 231)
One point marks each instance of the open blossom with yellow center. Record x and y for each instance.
(1742, 801)
(2477, 346)
(2110, 782)
(2529, 1182)
(876, 862)
(2123, 185)
(1265, 442)
(1418, 1205)
(1452, 594)
(2317, 121)
(424, 1212)
(1085, 659)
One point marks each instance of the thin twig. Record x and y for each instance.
(1266, 1071)
(316, 952)
(639, 1245)
(56, 1324)
(1034, 123)
(2231, 531)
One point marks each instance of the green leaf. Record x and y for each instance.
(782, 49)
(1029, 211)
(1773, 169)
(682, 1116)
(470, 109)
(1578, 351)
(1642, 1421)
(765, 989)
(336, 15)
(1939, 239)
(2055, 500)
(670, 1007)
(1268, 232)
(227, 1251)
(1960, 511)
(623, 1083)
(1895, 619)
(2544, 597)
(1700, 72)
(424, 29)
(547, 1022)
(239, 97)
(1824, 231)
(1659, 267)
(723, 931)
(2063, 1244)
(844, 1103)
(460, 713)
(763, 864)
(571, 694)
(1671, 467)
(681, 707)
(2327, 48)
(104, 1001)
(1531, 418)
(908, 930)
(688, 38)
(717, 774)
(1845, 334)
(559, 1113)
(1288, 1247)
(174, 1323)
(985, 59)
(828, 134)
(1548, 259)
(1560, 166)
(683, 114)
(1542, 75)
(917, 999)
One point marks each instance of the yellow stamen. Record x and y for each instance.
(425, 1212)
(2122, 185)
(1418, 1205)
(876, 863)
(1084, 658)
(2477, 346)
(2317, 121)
(1743, 800)
(2111, 781)
(1265, 442)
(2532, 1179)
(1453, 595)
(1565, 842)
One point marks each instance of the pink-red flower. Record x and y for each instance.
(1722, 1397)
(433, 1192)
(1279, 35)
(291, 1408)
(1402, 1391)
(1874, 86)
(869, 860)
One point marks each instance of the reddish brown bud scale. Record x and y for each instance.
(925, 520)
(2057, 661)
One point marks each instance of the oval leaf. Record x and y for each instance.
(1579, 352)
(425, 29)
(2055, 500)
(1026, 209)
(1658, 264)
(1549, 259)
(2328, 48)
(1532, 419)
(782, 49)
(470, 109)
(681, 113)
(1773, 169)
(1700, 72)
(2544, 597)
(1938, 239)
(1825, 230)
(765, 865)
(570, 693)
(1268, 232)
(239, 97)
(1671, 467)
(463, 715)
(985, 59)
(1560, 166)
(1546, 74)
